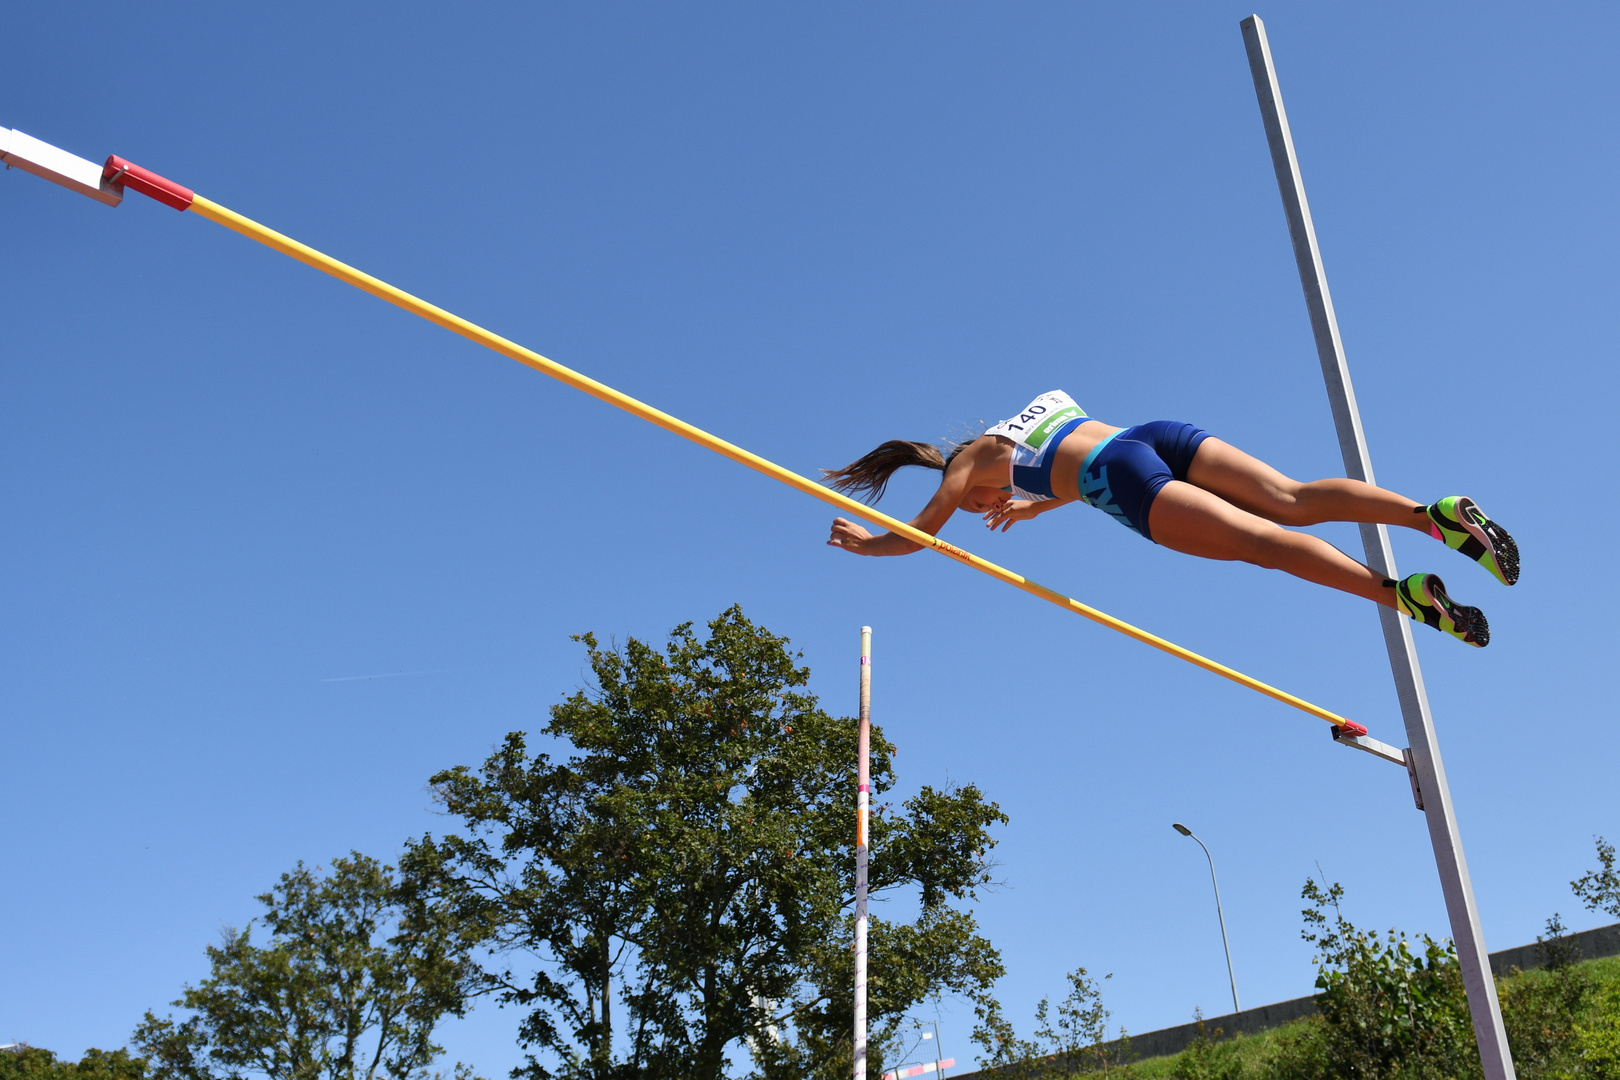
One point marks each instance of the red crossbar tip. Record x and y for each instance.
(147, 182)
(1349, 727)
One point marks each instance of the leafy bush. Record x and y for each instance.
(1540, 1008)
(1388, 1011)
(1199, 1061)
(1393, 1007)
(1069, 1041)
(1596, 1045)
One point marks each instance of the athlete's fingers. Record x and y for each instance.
(1004, 516)
(846, 534)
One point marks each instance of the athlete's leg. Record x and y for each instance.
(1249, 483)
(1189, 519)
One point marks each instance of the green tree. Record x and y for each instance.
(1070, 1040)
(685, 874)
(24, 1062)
(1600, 889)
(355, 974)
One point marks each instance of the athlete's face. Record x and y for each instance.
(982, 500)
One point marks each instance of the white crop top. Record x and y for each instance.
(1031, 433)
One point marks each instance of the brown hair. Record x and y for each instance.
(867, 477)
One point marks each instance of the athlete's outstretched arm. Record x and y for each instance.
(953, 486)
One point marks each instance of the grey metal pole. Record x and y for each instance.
(1425, 748)
(1184, 831)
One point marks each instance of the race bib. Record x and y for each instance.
(1035, 424)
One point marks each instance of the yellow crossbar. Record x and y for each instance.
(343, 272)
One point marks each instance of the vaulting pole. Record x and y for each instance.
(1403, 661)
(118, 174)
(863, 806)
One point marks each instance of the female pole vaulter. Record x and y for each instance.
(1186, 490)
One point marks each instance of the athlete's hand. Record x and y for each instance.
(849, 536)
(1010, 511)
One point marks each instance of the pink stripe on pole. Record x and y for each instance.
(919, 1070)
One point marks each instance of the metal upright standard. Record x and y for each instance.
(863, 807)
(1429, 775)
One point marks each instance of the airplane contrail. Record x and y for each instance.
(388, 675)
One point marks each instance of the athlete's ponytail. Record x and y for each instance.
(867, 477)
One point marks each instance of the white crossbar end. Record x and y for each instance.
(58, 166)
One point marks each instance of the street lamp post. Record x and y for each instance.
(1184, 831)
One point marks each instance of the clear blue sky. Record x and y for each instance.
(228, 480)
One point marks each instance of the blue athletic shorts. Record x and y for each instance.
(1124, 472)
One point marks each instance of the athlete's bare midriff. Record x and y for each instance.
(1071, 454)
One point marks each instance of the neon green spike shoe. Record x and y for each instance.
(1461, 524)
(1423, 597)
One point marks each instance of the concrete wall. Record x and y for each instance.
(1588, 945)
